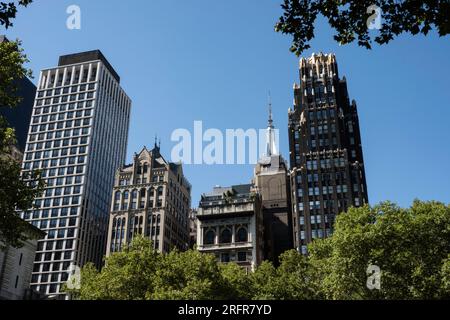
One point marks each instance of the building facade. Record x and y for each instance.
(192, 228)
(272, 182)
(230, 225)
(19, 117)
(16, 266)
(151, 197)
(77, 137)
(327, 167)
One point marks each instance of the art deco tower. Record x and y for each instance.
(327, 167)
(78, 138)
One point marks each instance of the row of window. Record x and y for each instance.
(55, 245)
(61, 116)
(63, 107)
(325, 163)
(65, 90)
(56, 202)
(68, 76)
(49, 277)
(55, 266)
(55, 212)
(226, 257)
(225, 236)
(60, 125)
(64, 152)
(53, 256)
(65, 98)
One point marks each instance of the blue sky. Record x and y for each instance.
(215, 61)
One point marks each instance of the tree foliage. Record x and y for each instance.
(410, 246)
(17, 191)
(12, 70)
(8, 11)
(349, 19)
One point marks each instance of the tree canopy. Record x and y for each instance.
(17, 191)
(8, 11)
(410, 247)
(349, 19)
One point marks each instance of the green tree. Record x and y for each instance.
(8, 11)
(16, 191)
(349, 19)
(127, 275)
(265, 282)
(237, 284)
(296, 277)
(188, 275)
(410, 246)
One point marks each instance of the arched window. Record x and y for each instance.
(209, 237)
(117, 196)
(134, 194)
(141, 220)
(225, 236)
(114, 222)
(145, 167)
(126, 195)
(242, 235)
(142, 192)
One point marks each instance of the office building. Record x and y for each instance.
(151, 197)
(78, 138)
(327, 166)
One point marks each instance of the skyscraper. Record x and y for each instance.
(272, 181)
(152, 198)
(327, 167)
(78, 137)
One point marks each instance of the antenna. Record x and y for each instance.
(270, 111)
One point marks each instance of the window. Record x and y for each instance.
(210, 237)
(242, 235)
(242, 256)
(225, 257)
(225, 236)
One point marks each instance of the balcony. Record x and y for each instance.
(226, 209)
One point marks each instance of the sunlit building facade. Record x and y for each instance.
(78, 138)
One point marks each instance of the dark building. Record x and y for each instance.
(19, 117)
(272, 181)
(327, 167)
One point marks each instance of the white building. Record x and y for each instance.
(78, 137)
(230, 225)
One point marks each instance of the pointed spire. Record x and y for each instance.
(270, 143)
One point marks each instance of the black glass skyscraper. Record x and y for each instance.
(327, 167)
